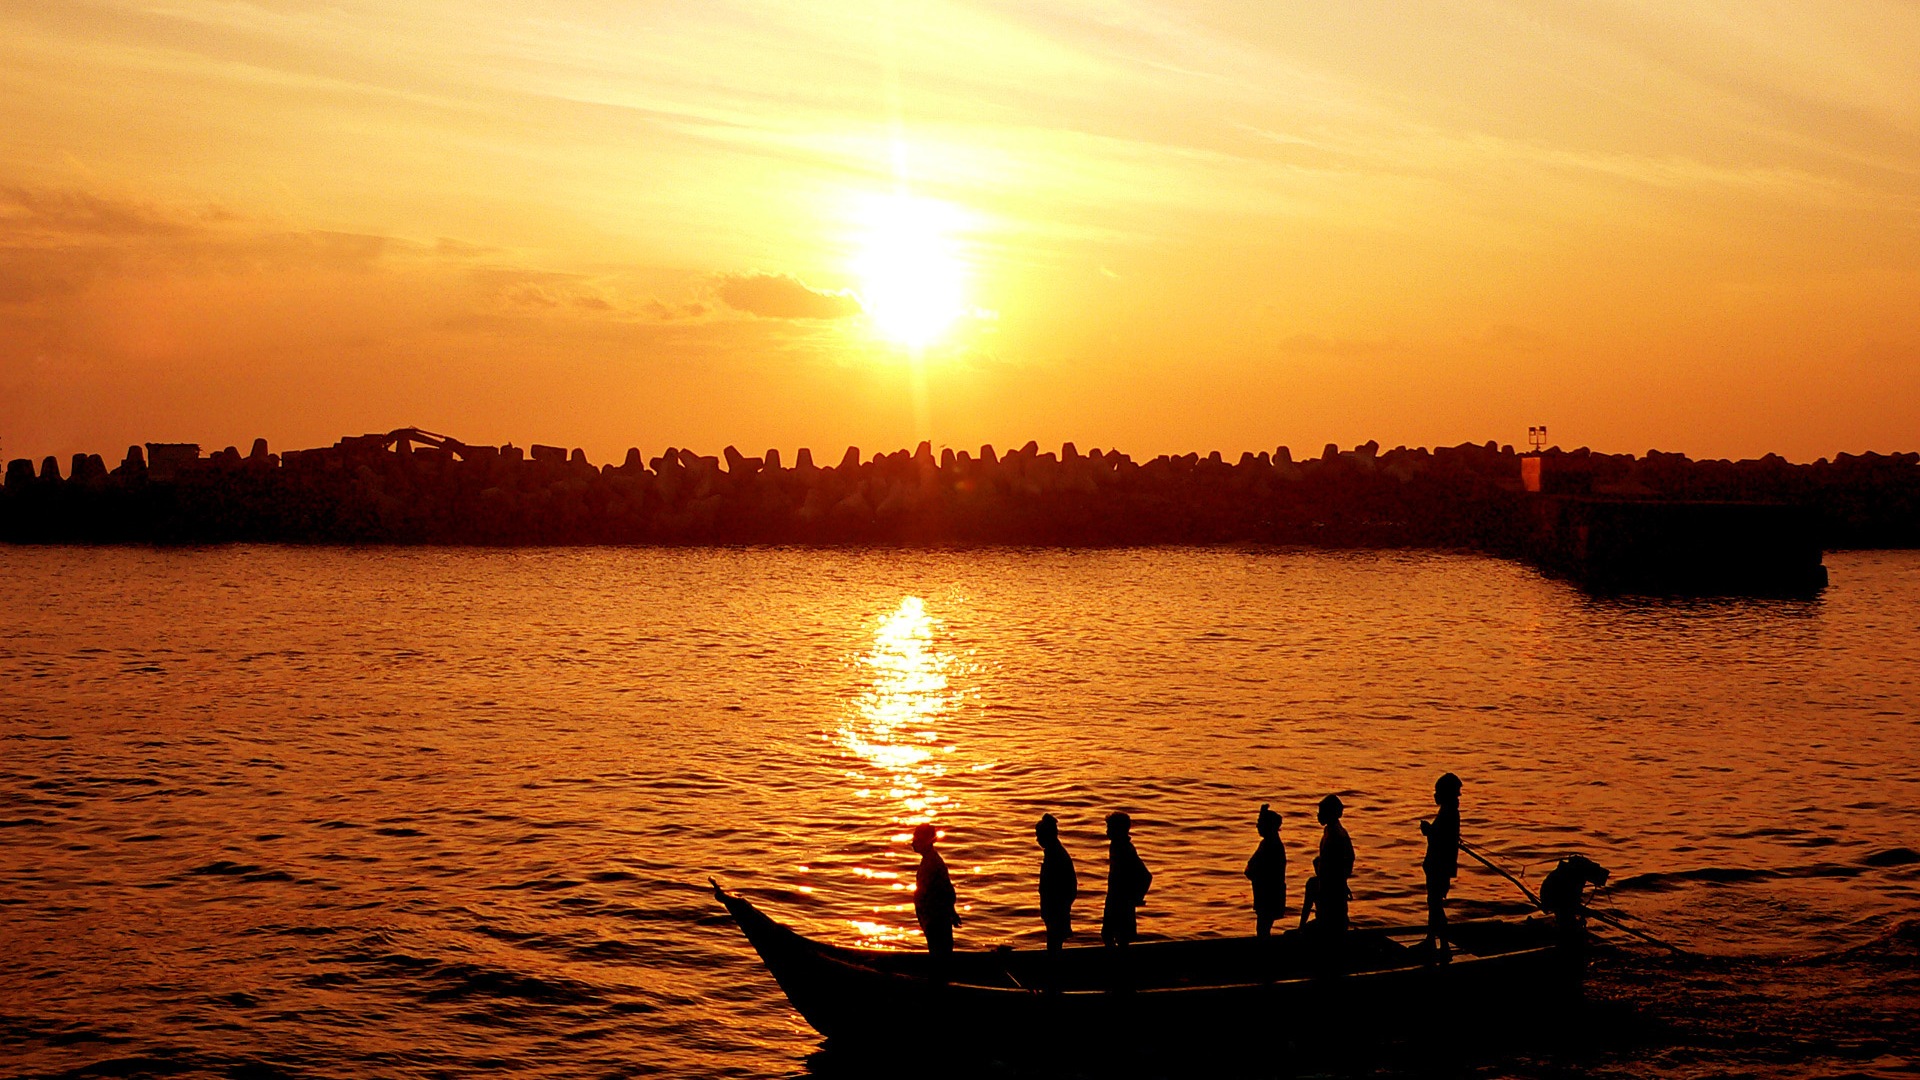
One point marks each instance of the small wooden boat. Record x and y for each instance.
(1291, 990)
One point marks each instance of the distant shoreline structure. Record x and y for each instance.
(415, 487)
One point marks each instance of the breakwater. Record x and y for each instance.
(411, 486)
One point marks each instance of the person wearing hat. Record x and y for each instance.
(1128, 880)
(1443, 857)
(933, 897)
(1058, 883)
(1267, 870)
(1326, 893)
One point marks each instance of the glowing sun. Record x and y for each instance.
(909, 264)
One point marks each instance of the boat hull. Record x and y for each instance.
(1219, 993)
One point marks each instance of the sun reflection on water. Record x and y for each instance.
(893, 731)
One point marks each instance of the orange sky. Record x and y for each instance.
(1161, 226)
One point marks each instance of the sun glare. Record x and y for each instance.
(909, 265)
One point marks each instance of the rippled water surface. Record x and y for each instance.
(415, 813)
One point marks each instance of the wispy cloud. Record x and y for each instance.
(783, 296)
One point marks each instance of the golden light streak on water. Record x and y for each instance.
(894, 735)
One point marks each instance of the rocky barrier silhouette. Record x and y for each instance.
(414, 487)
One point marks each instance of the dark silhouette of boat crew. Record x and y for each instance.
(1058, 883)
(1442, 863)
(1021, 998)
(1326, 894)
(1128, 880)
(1267, 870)
(1326, 897)
(934, 901)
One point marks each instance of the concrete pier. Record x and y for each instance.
(1678, 546)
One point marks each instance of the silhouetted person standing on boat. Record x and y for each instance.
(1058, 883)
(1326, 893)
(1267, 870)
(933, 895)
(1128, 880)
(1443, 856)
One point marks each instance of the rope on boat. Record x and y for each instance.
(1641, 934)
(1609, 920)
(1007, 970)
(1489, 864)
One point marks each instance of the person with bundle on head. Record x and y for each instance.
(1267, 870)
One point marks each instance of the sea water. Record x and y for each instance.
(321, 812)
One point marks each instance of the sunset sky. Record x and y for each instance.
(1159, 226)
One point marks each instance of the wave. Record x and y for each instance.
(464, 981)
(243, 871)
(1897, 943)
(435, 980)
(1666, 881)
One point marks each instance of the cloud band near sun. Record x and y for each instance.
(783, 296)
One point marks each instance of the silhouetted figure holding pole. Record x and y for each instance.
(1443, 856)
(933, 896)
(1267, 870)
(1128, 880)
(1326, 892)
(1058, 883)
